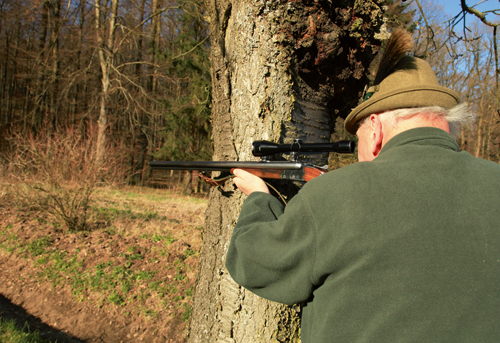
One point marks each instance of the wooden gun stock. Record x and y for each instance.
(309, 173)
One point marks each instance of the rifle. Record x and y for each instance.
(266, 168)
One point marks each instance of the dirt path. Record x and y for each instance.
(9, 311)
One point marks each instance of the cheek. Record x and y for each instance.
(362, 149)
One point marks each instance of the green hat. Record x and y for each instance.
(411, 83)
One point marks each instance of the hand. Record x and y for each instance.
(249, 183)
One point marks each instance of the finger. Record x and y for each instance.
(242, 174)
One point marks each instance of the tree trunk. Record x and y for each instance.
(281, 70)
(78, 98)
(106, 58)
(154, 45)
(40, 92)
(54, 42)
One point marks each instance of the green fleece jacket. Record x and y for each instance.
(405, 248)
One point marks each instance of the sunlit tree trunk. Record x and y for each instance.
(154, 43)
(40, 92)
(139, 136)
(281, 70)
(106, 59)
(78, 98)
(54, 107)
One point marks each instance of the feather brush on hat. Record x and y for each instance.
(401, 82)
(398, 45)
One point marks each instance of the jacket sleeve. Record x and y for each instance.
(272, 250)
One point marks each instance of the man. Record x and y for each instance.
(403, 246)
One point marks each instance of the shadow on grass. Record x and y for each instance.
(25, 321)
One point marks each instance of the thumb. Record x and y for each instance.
(242, 174)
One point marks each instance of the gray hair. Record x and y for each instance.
(456, 117)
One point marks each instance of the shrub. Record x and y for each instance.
(58, 173)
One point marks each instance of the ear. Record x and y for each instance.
(376, 135)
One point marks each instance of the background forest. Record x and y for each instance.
(131, 78)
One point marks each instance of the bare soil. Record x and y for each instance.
(129, 278)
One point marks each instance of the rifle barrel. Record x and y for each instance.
(224, 165)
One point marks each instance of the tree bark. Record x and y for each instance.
(106, 58)
(54, 42)
(281, 70)
(40, 91)
(154, 44)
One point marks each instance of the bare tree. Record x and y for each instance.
(482, 15)
(106, 50)
(75, 63)
(464, 53)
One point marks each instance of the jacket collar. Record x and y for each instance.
(422, 136)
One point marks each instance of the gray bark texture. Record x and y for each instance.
(281, 70)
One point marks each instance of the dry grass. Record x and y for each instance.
(59, 173)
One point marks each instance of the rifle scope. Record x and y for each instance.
(266, 148)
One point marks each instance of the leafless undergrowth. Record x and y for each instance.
(58, 174)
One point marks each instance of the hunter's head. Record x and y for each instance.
(405, 94)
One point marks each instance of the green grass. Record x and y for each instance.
(112, 213)
(12, 333)
(116, 299)
(159, 196)
(187, 314)
(38, 246)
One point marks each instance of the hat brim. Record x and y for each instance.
(409, 97)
